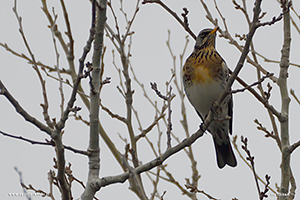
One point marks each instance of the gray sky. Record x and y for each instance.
(152, 62)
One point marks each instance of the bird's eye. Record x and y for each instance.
(203, 35)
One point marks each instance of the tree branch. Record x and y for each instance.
(22, 112)
(294, 95)
(22, 183)
(47, 143)
(45, 105)
(184, 23)
(253, 84)
(98, 22)
(101, 182)
(250, 158)
(268, 134)
(282, 83)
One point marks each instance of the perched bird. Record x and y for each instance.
(204, 76)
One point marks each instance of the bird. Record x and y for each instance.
(204, 76)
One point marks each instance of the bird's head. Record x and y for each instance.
(206, 38)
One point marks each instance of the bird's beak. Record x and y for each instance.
(213, 31)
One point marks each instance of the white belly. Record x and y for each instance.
(203, 96)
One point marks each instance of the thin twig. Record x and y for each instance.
(22, 183)
(253, 84)
(47, 143)
(30, 61)
(250, 158)
(268, 134)
(51, 179)
(264, 193)
(45, 105)
(38, 191)
(294, 146)
(292, 92)
(169, 127)
(158, 93)
(273, 21)
(57, 65)
(113, 115)
(272, 61)
(194, 189)
(71, 70)
(150, 127)
(245, 161)
(129, 22)
(22, 111)
(168, 98)
(70, 54)
(183, 24)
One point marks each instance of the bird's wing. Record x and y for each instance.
(230, 101)
(230, 113)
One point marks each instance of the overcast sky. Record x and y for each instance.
(152, 62)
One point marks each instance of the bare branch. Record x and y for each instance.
(167, 98)
(264, 193)
(118, 35)
(251, 159)
(150, 127)
(105, 81)
(158, 93)
(263, 100)
(42, 81)
(52, 24)
(52, 181)
(253, 84)
(47, 143)
(151, 164)
(196, 190)
(71, 70)
(285, 100)
(30, 61)
(183, 24)
(245, 161)
(22, 183)
(122, 119)
(98, 23)
(38, 191)
(162, 196)
(272, 61)
(292, 92)
(22, 112)
(268, 134)
(129, 22)
(70, 54)
(185, 18)
(155, 182)
(169, 127)
(57, 66)
(294, 146)
(273, 21)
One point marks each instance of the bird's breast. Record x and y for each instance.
(204, 77)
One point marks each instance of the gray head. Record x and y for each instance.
(206, 37)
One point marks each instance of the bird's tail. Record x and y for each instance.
(225, 154)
